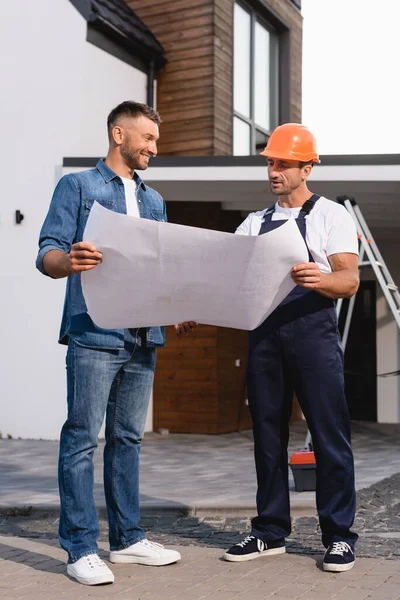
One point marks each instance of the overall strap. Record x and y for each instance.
(308, 205)
(269, 210)
(305, 209)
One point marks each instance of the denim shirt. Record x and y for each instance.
(64, 225)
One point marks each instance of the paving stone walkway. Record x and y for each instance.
(35, 570)
(192, 472)
(32, 566)
(377, 523)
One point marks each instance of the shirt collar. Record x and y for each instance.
(139, 181)
(109, 175)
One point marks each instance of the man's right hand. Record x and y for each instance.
(82, 257)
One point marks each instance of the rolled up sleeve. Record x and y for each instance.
(60, 226)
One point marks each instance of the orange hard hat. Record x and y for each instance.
(292, 141)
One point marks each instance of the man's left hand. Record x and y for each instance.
(185, 328)
(307, 275)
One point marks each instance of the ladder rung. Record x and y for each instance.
(368, 246)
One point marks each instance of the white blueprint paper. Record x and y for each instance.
(156, 273)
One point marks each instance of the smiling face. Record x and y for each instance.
(286, 176)
(137, 141)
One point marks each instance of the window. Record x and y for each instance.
(255, 81)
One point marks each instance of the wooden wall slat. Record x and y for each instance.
(186, 30)
(149, 8)
(179, 18)
(189, 63)
(191, 53)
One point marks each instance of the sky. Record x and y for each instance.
(351, 73)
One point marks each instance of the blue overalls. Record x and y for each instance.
(297, 348)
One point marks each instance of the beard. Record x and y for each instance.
(283, 190)
(129, 157)
(132, 158)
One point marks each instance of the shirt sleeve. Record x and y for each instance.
(342, 233)
(60, 226)
(245, 227)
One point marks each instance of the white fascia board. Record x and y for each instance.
(236, 173)
(320, 173)
(356, 173)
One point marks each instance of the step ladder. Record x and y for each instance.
(369, 256)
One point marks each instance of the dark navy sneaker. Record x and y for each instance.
(339, 557)
(251, 547)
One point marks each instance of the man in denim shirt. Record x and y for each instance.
(109, 372)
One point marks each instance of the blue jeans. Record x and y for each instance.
(115, 383)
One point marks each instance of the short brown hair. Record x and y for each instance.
(133, 110)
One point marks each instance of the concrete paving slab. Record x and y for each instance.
(36, 570)
(197, 473)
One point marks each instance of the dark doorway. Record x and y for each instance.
(360, 354)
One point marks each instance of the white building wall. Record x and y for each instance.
(107, 81)
(388, 361)
(57, 92)
(388, 338)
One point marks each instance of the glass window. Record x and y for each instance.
(261, 140)
(261, 76)
(255, 80)
(241, 137)
(241, 61)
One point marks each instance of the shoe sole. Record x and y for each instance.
(101, 579)
(151, 562)
(333, 568)
(254, 555)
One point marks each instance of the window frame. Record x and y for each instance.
(275, 69)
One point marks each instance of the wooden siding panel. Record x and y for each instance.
(233, 414)
(185, 28)
(196, 73)
(151, 8)
(223, 74)
(187, 64)
(193, 53)
(185, 385)
(190, 93)
(187, 147)
(195, 38)
(181, 17)
(197, 126)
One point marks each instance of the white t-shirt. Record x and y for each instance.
(132, 208)
(330, 229)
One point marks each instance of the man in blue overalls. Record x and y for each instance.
(298, 349)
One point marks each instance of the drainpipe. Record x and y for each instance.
(150, 85)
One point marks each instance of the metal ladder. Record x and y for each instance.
(369, 256)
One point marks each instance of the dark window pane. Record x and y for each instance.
(261, 141)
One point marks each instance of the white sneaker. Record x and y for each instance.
(145, 553)
(90, 570)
